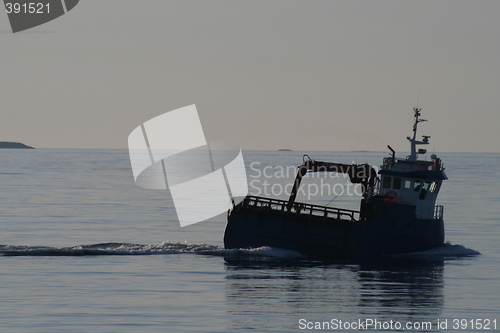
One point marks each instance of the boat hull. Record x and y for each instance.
(383, 229)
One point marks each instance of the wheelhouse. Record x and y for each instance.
(411, 181)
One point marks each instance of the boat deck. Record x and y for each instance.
(300, 209)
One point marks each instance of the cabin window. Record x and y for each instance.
(434, 188)
(418, 184)
(396, 184)
(386, 182)
(423, 193)
(407, 184)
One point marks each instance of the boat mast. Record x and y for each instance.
(413, 141)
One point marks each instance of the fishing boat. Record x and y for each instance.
(397, 213)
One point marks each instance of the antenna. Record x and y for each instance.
(413, 141)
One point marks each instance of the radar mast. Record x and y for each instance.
(413, 141)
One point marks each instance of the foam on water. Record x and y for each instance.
(143, 249)
(111, 249)
(266, 251)
(166, 248)
(447, 250)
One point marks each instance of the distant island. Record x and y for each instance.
(283, 149)
(14, 145)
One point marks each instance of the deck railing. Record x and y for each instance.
(438, 212)
(406, 166)
(302, 209)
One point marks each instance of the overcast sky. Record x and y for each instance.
(304, 75)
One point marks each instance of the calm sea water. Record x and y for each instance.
(86, 250)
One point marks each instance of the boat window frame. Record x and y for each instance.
(425, 187)
(396, 180)
(417, 185)
(408, 184)
(386, 182)
(435, 186)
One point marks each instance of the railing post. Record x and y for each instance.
(327, 212)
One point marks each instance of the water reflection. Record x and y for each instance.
(274, 296)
